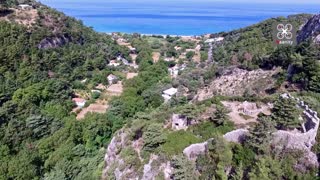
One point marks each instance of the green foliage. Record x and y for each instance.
(285, 113)
(177, 141)
(131, 157)
(207, 130)
(243, 156)
(204, 56)
(261, 135)
(213, 164)
(42, 126)
(35, 92)
(220, 117)
(153, 137)
(141, 91)
(95, 95)
(190, 55)
(256, 40)
(266, 168)
(183, 169)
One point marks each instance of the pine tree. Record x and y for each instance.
(286, 114)
(213, 165)
(261, 135)
(311, 67)
(220, 117)
(153, 137)
(238, 175)
(183, 169)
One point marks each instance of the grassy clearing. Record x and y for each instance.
(207, 130)
(177, 141)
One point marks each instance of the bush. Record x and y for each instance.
(207, 130)
(190, 55)
(95, 95)
(177, 141)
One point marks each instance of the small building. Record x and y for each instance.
(79, 102)
(119, 58)
(174, 71)
(25, 7)
(113, 63)
(112, 79)
(182, 122)
(218, 39)
(169, 93)
(190, 50)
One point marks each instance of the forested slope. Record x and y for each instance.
(39, 137)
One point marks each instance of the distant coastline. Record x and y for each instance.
(163, 35)
(185, 19)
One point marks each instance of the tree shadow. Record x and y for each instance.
(5, 12)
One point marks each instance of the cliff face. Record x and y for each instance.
(311, 30)
(123, 160)
(55, 41)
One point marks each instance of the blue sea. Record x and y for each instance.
(188, 17)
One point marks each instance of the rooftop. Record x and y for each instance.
(218, 39)
(170, 92)
(78, 100)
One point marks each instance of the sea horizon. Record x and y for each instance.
(171, 18)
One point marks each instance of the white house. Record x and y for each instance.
(113, 63)
(79, 102)
(218, 39)
(112, 79)
(174, 71)
(169, 93)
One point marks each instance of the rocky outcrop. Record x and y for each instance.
(55, 41)
(310, 30)
(150, 172)
(116, 166)
(301, 140)
(194, 150)
(236, 82)
(291, 139)
(236, 136)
